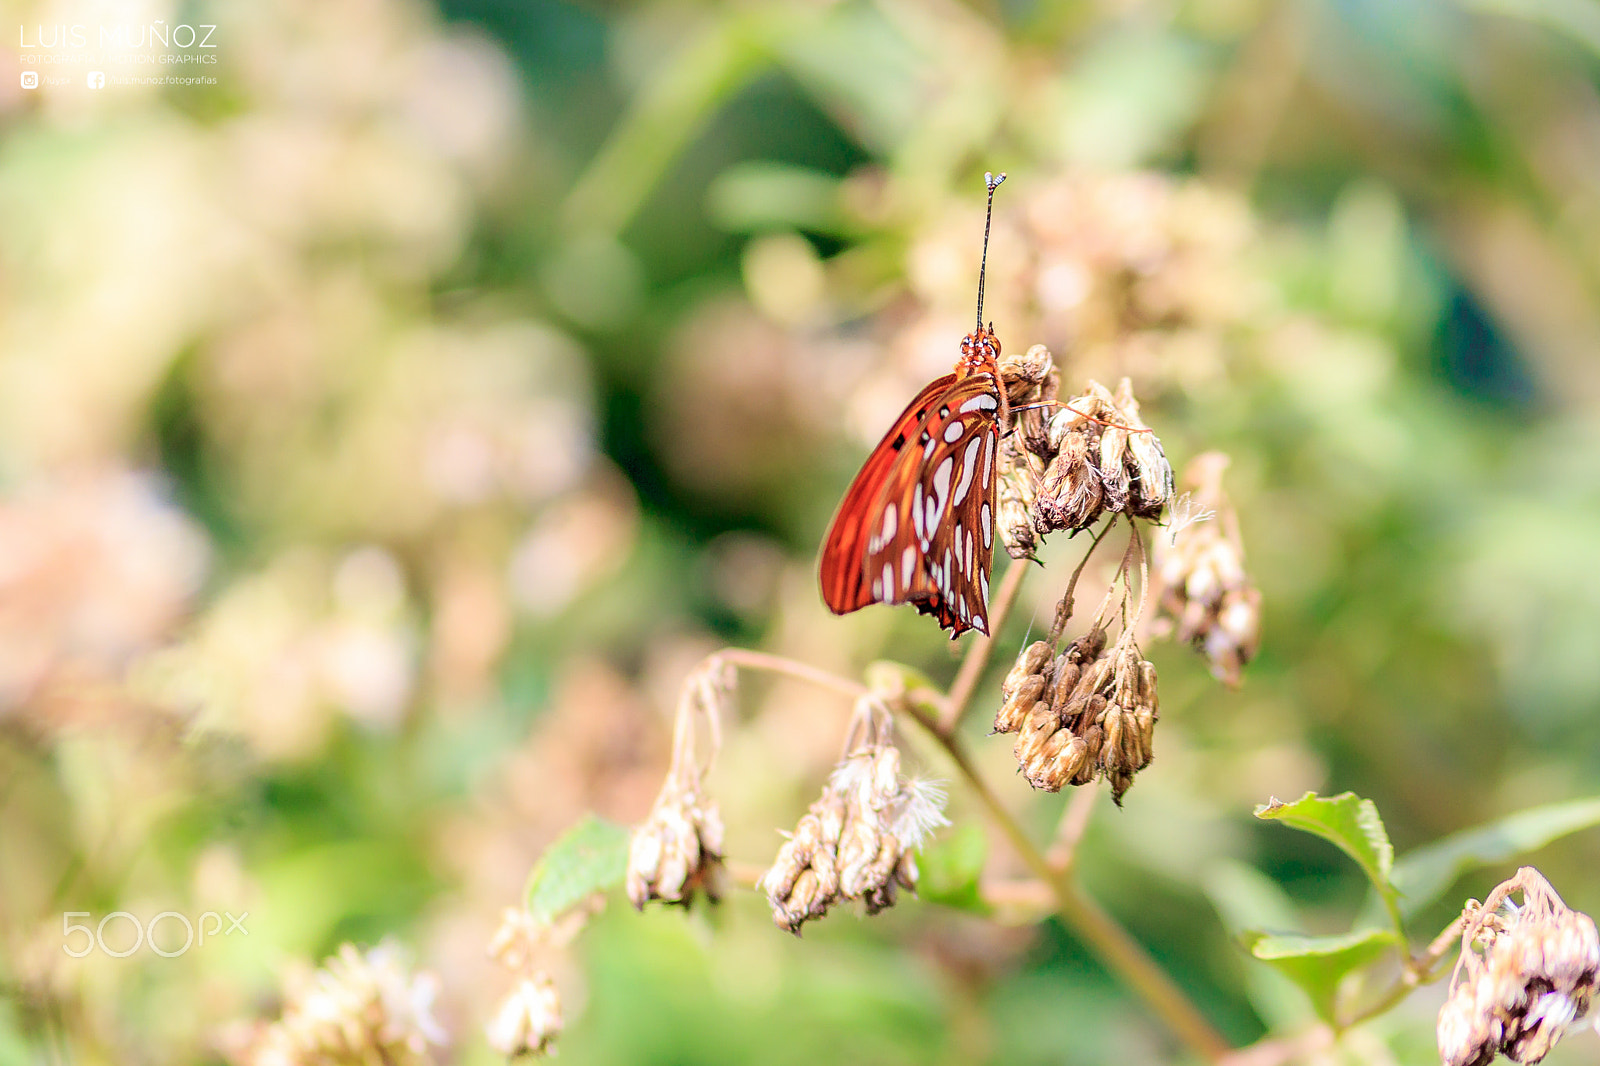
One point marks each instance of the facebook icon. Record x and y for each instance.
(97, 79)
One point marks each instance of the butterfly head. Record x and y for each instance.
(980, 350)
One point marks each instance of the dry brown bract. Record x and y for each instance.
(677, 850)
(1534, 977)
(1204, 592)
(856, 841)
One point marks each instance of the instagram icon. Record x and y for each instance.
(30, 79)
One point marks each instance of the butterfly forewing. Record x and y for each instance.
(917, 524)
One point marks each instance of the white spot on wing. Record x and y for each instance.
(908, 559)
(984, 402)
(979, 624)
(888, 580)
(952, 432)
(916, 513)
(889, 522)
(986, 525)
(968, 468)
(941, 486)
(983, 579)
(988, 449)
(877, 588)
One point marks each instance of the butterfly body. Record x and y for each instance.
(917, 524)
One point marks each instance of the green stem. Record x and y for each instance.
(1109, 941)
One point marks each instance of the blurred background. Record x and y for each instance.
(386, 429)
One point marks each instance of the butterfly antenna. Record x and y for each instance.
(993, 181)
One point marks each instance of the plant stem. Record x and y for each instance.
(1064, 608)
(977, 659)
(1098, 930)
(777, 664)
(1063, 853)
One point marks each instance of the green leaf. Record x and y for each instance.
(1347, 821)
(1424, 874)
(1318, 963)
(949, 870)
(590, 857)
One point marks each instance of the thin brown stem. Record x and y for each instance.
(1063, 853)
(1098, 930)
(777, 664)
(1064, 608)
(977, 660)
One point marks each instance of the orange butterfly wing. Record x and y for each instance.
(917, 524)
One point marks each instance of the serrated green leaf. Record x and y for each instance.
(1318, 963)
(1424, 874)
(590, 857)
(949, 870)
(1347, 821)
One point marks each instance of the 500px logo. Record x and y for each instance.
(95, 936)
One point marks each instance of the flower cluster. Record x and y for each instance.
(360, 1007)
(528, 1019)
(856, 840)
(1535, 976)
(1087, 713)
(1205, 596)
(1094, 456)
(678, 848)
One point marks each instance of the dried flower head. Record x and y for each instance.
(1093, 716)
(677, 849)
(1100, 458)
(1090, 711)
(528, 1019)
(856, 841)
(1205, 596)
(359, 1008)
(1535, 975)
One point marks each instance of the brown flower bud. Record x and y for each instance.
(1031, 385)
(1071, 494)
(1016, 495)
(1025, 685)
(1204, 595)
(1145, 462)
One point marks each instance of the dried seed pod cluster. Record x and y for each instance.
(528, 1019)
(1064, 470)
(677, 850)
(1100, 458)
(1205, 596)
(1087, 713)
(1535, 976)
(856, 841)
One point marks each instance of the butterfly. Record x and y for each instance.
(917, 524)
